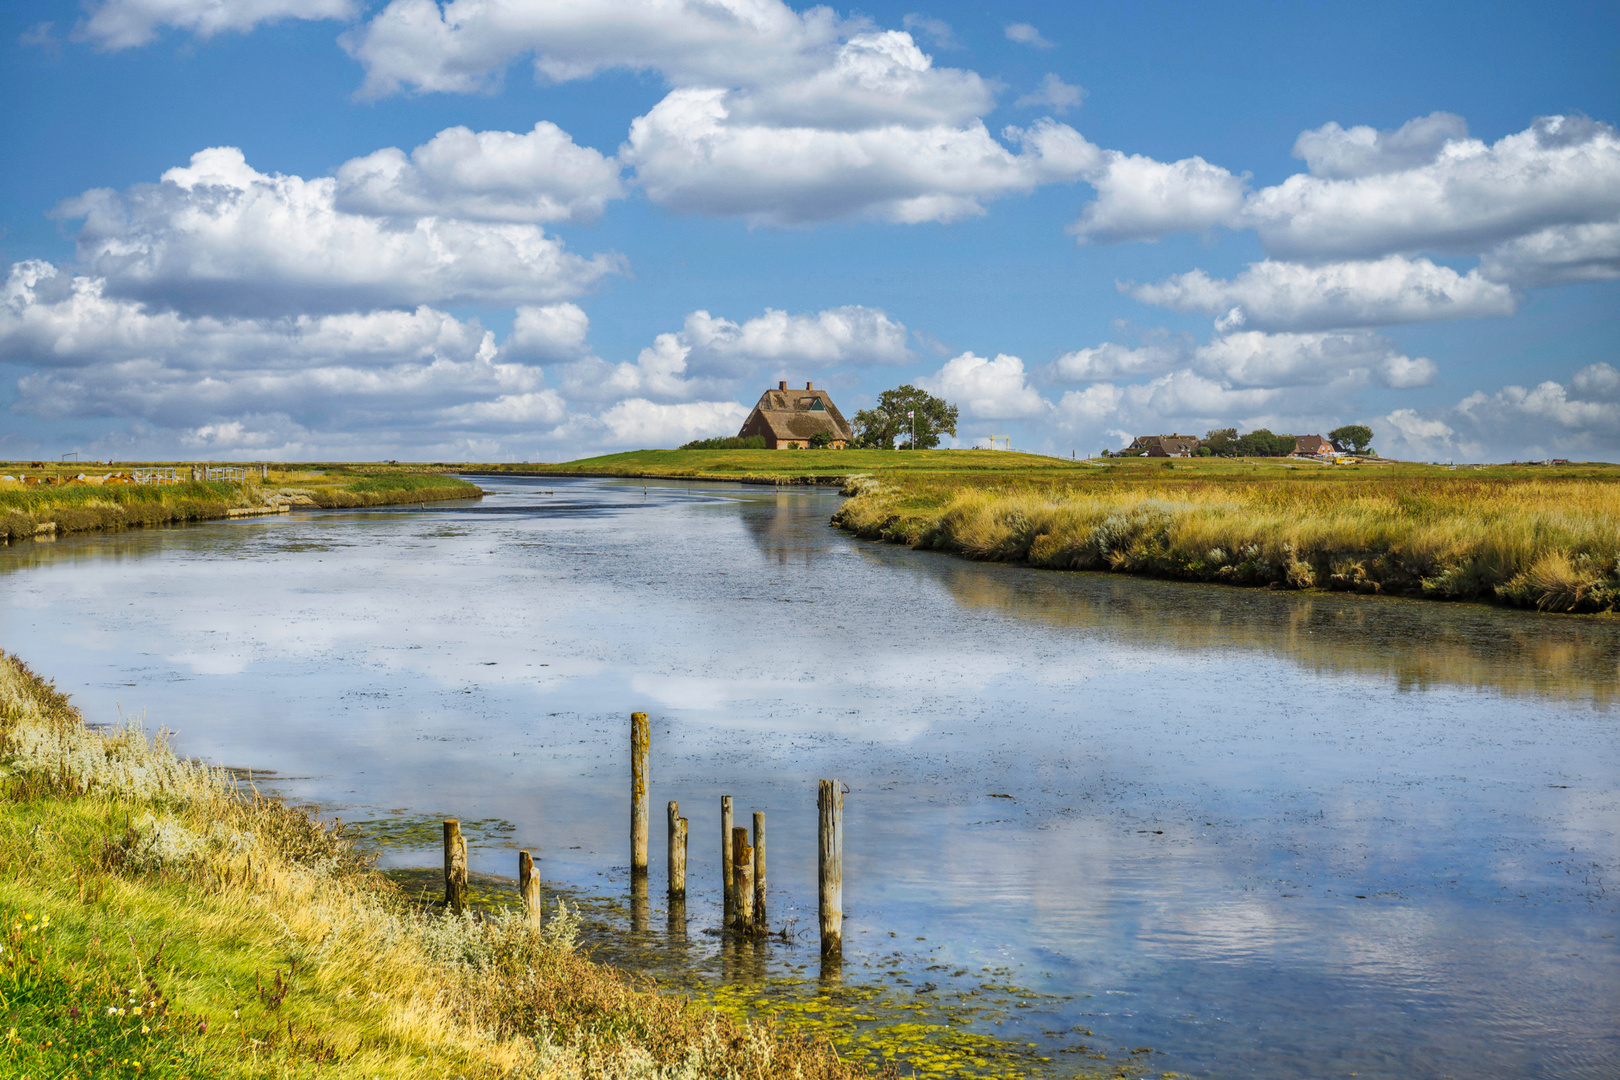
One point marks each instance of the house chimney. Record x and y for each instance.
(782, 385)
(809, 386)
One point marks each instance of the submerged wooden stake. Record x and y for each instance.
(759, 869)
(529, 886)
(640, 739)
(455, 866)
(677, 852)
(730, 904)
(638, 904)
(742, 872)
(830, 866)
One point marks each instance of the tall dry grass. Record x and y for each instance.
(1554, 545)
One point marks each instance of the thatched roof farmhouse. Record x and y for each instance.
(789, 419)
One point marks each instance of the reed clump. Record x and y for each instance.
(165, 921)
(79, 508)
(1553, 545)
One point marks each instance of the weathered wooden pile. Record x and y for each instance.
(742, 864)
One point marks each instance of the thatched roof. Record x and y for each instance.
(797, 415)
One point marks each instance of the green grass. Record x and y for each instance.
(995, 466)
(825, 464)
(28, 510)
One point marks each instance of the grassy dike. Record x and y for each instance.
(33, 510)
(158, 920)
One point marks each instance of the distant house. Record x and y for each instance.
(1174, 445)
(789, 419)
(1312, 446)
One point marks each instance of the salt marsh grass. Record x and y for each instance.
(28, 510)
(1552, 544)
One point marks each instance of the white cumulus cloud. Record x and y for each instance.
(774, 116)
(1252, 358)
(1342, 154)
(1111, 360)
(1274, 295)
(549, 332)
(1556, 255)
(642, 423)
(1562, 170)
(783, 342)
(93, 355)
(464, 45)
(1139, 198)
(124, 24)
(538, 176)
(1542, 205)
(219, 236)
(1579, 419)
(987, 389)
(705, 151)
(711, 355)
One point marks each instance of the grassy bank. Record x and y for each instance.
(1511, 535)
(997, 466)
(159, 921)
(802, 466)
(50, 509)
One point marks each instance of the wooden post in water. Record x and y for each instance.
(638, 904)
(677, 852)
(830, 866)
(725, 860)
(455, 866)
(742, 874)
(529, 886)
(640, 739)
(759, 869)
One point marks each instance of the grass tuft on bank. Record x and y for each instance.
(158, 920)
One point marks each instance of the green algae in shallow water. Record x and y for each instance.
(928, 1035)
(878, 1026)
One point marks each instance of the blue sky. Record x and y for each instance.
(511, 230)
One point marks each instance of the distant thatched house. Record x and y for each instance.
(1162, 446)
(791, 418)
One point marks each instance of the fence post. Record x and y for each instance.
(742, 873)
(677, 852)
(725, 860)
(830, 866)
(455, 866)
(759, 869)
(529, 886)
(640, 738)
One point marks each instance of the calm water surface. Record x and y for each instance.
(1265, 834)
